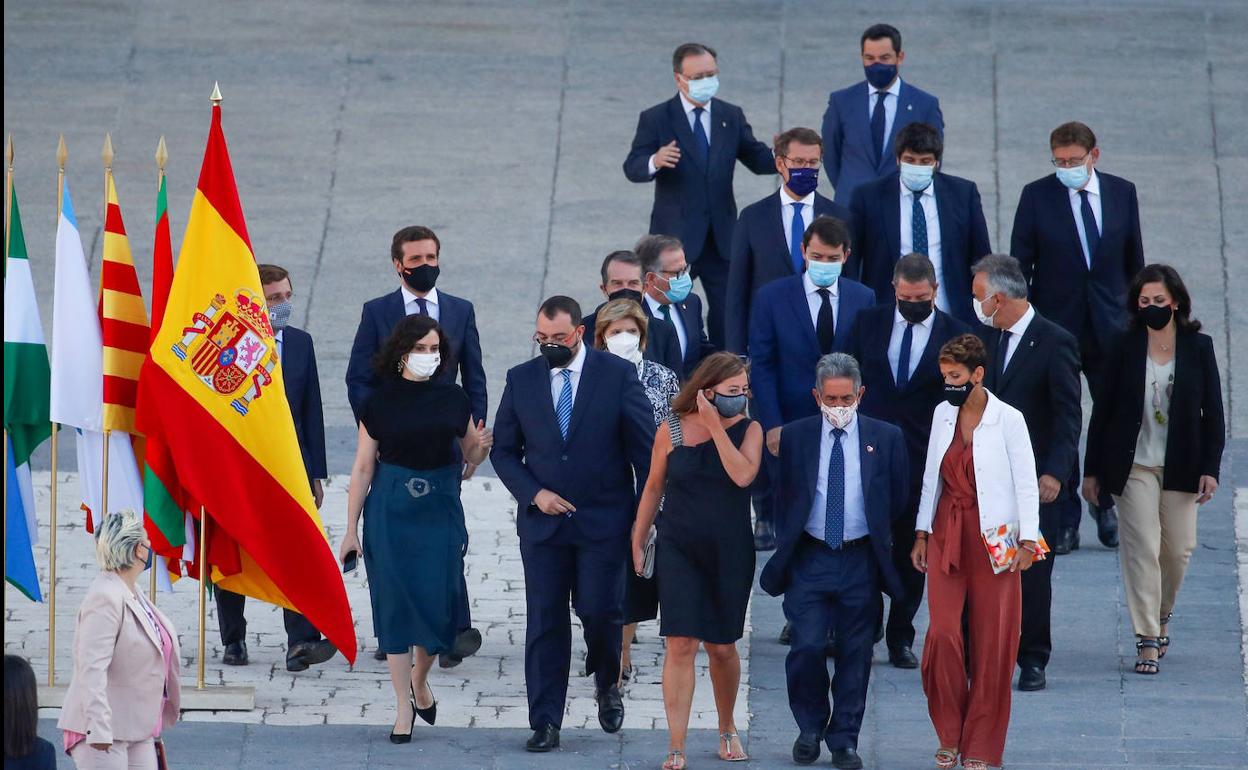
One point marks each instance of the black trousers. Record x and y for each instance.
(762, 491)
(233, 623)
(899, 631)
(1092, 362)
(711, 267)
(1035, 641)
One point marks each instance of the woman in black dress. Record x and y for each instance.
(405, 481)
(705, 457)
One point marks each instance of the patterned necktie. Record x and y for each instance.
(699, 135)
(877, 126)
(422, 306)
(903, 357)
(825, 332)
(834, 515)
(918, 225)
(563, 409)
(1091, 233)
(796, 233)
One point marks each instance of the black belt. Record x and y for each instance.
(846, 545)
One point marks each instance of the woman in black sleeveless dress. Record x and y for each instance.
(705, 457)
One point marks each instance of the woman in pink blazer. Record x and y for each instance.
(125, 683)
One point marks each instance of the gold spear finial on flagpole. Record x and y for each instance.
(162, 154)
(107, 153)
(216, 94)
(62, 153)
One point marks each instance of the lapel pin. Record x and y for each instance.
(870, 449)
(909, 106)
(1033, 344)
(723, 124)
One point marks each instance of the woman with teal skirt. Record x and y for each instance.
(405, 481)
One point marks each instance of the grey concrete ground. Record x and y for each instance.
(503, 124)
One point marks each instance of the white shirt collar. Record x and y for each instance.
(409, 296)
(575, 365)
(926, 323)
(787, 200)
(811, 288)
(1093, 186)
(277, 335)
(1020, 326)
(894, 89)
(690, 106)
(656, 307)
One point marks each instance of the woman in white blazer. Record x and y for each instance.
(125, 683)
(980, 477)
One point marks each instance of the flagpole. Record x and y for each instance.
(107, 156)
(62, 156)
(203, 593)
(162, 157)
(8, 203)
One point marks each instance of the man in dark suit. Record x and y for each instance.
(767, 241)
(572, 441)
(897, 347)
(415, 252)
(689, 147)
(919, 209)
(843, 478)
(1077, 237)
(861, 121)
(1034, 367)
(297, 359)
(622, 278)
(669, 299)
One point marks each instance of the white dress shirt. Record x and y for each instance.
(892, 94)
(277, 340)
(918, 342)
(814, 301)
(412, 307)
(927, 199)
(556, 376)
(1076, 206)
(1016, 334)
(786, 214)
(656, 311)
(855, 505)
(706, 122)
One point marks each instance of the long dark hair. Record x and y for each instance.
(713, 370)
(21, 708)
(406, 334)
(1164, 274)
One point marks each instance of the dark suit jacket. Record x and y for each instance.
(662, 344)
(847, 147)
(876, 212)
(911, 407)
(697, 345)
(303, 391)
(1196, 423)
(784, 349)
(1042, 382)
(602, 466)
(695, 197)
(885, 477)
(1046, 242)
(456, 317)
(760, 255)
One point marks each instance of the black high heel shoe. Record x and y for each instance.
(399, 737)
(430, 714)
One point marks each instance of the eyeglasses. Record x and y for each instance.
(799, 163)
(700, 76)
(558, 339)
(671, 276)
(1069, 162)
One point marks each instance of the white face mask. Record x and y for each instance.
(626, 345)
(838, 416)
(984, 318)
(422, 364)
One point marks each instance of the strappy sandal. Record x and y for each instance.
(675, 760)
(946, 759)
(1144, 665)
(726, 753)
(1164, 641)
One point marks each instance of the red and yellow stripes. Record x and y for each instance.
(123, 321)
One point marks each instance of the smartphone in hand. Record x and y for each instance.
(351, 563)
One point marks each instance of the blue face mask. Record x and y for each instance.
(823, 274)
(703, 89)
(1074, 178)
(147, 564)
(803, 181)
(915, 177)
(678, 288)
(880, 75)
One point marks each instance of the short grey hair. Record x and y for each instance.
(914, 268)
(117, 538)
(650, 250)
(835, 366)
(1005, 275)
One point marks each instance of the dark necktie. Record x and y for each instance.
(699, 136)
(834, 509)
(666, 312)
(1003, 348)
(877, 126)
(824, 329)
(903, 357)
(1090, 231)
(918, 226)
(422, 306)
(796, 233)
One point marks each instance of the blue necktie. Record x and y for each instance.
(834, 521)
(1091, 233)
(903, 357)
(918, 226)
(877, 126)
(796, 233)
(563, 409)
(422, 306)
(699, 136)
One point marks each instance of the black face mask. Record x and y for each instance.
(558, 356)
(914, 312)
(957, 394)
(422, 278)
(1156, 316)
(632, 294)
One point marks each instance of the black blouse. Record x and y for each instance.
(416, 423)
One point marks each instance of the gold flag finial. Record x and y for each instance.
(62, 154)
(216, 94)
(107, 153)
(162, 154)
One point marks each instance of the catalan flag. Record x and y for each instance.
(217, 389)
(123, 321)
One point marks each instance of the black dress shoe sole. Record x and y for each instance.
(467, 642)
(1031, 686)
(805, 760)
(296, 664)
(542, 748)
(231, 660)
(447, 660)
(854, 764)
(311, 654)
(907, 663)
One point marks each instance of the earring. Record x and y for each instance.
(399, 368)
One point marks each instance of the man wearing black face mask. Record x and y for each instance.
(572, 441)
(415, 253)
(622, 279)
(896, 346)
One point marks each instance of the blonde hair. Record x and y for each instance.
(618, 310)
(117, 538)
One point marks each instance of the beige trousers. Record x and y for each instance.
(1156, 534)
(122, 755)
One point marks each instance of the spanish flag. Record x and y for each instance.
(217, 393)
